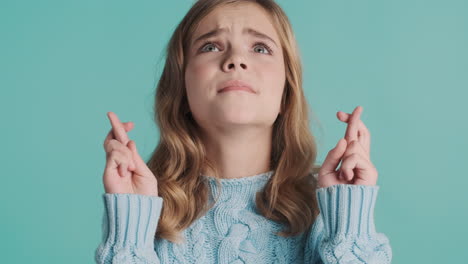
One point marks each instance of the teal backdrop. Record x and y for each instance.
(64, 64)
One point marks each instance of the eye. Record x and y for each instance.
(207, 44)
(206, 47)
(265, 47)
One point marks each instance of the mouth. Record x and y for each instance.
(235, 85)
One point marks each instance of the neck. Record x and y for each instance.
(240, 154)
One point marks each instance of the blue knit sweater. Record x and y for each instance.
(233, 232)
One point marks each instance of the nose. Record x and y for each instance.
(235, 61)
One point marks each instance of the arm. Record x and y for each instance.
(344, 231)
(128, 228)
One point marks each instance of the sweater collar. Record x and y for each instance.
(239, 191)
(257, 178)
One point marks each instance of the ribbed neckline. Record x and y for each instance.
(261, 177)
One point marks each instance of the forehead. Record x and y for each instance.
(235, 17)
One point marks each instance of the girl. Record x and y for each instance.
(232, 179)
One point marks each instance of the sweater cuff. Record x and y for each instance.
(348, 210)
(131, 219)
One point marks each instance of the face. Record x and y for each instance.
(246, 48)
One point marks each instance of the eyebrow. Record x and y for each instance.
(219, 31)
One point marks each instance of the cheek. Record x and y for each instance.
(274, 77)
(197, 76)
(195, 73)
(274, 80)
(198, 81)
(200, 68)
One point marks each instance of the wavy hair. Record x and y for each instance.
(178, 160)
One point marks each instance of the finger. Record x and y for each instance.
(352, 127)
(115, 160)
(117, 128)
(110, 135)
(364, 136)
(356, 147)
(119, 160)
(114, 146)
(333, 157)
(348, 166)
(121, 170)
(125, 154)
(353, 163)
(132, 166)
(140, 164)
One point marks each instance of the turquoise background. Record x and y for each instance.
(64, 64)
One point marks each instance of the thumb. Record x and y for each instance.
(334, 156)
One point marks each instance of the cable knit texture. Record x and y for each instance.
(233, 232)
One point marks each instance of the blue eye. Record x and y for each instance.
(206, 45)
(266, 47)
(212, 44)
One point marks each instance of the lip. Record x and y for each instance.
(235, 85)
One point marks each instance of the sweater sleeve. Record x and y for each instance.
(128, 227)
(344, 231)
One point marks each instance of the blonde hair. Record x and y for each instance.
(178, 160)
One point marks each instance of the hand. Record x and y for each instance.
(125, 170)
(354, 154)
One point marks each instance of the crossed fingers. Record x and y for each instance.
(356, 130)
